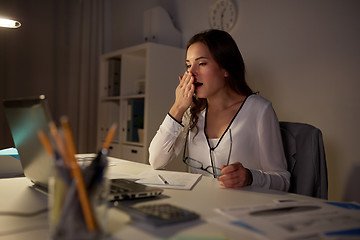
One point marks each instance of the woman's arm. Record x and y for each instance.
(273, 173)
(167, 143)
(169, 139)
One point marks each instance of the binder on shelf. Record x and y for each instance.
(103, 110)
(114, 77)
(114, 113)
(135, 119)
(110, 112)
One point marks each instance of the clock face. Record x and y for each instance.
(222, 15)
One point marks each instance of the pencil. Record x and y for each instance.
(109, 136)
(70, 145)
(58, 142)
(76, 173)
(45, 142)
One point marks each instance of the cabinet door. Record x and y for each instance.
(114, 150)
(133, 153)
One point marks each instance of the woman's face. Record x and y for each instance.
(209, 76)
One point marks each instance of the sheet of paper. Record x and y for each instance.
(294, 219)
(10, 165)
(9, 152)
(175, 180)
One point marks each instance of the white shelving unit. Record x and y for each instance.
(136, 90)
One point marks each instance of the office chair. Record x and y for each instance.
(305, 155)
(352, 193)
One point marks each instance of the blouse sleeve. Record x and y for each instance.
(167, 143)
(273, 173)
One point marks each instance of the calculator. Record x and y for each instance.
(159, 214)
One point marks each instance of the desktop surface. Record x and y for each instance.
(18, 195)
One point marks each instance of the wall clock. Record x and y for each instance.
(222, 15)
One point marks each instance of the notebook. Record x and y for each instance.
(25, 117)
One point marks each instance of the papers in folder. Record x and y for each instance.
(174, 180)
(295, 220)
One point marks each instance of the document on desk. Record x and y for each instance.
(169, 179)
(294, 220)
(10, 165)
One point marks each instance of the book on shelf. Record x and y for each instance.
(135, 119)
(114, 77)
(111, 111)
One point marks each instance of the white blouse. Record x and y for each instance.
(252, 138)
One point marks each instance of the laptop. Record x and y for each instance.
(25, 117)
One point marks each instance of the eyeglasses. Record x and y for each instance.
(215, 171)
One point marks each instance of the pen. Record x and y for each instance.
(163, 179)
(283, 210)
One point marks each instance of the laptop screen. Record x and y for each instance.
(25, 117)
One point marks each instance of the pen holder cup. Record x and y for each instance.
(70, 217)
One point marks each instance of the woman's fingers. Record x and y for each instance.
(183, 96)
(185, 89)
(234, 176)
(231, 168)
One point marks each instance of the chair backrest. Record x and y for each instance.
(305, 155)
(351, 192)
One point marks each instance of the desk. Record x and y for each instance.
(18, 195)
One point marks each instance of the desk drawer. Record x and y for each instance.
(114, 150)
(133, 153)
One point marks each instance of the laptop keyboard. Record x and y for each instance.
(117, 189)
(123, 185)
(126, 189)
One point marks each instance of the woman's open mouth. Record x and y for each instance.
(197, 84)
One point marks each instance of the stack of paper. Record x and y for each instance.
(10, 165)
(295, 220)
(169, 179)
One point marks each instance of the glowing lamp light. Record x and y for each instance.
(8, 23)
